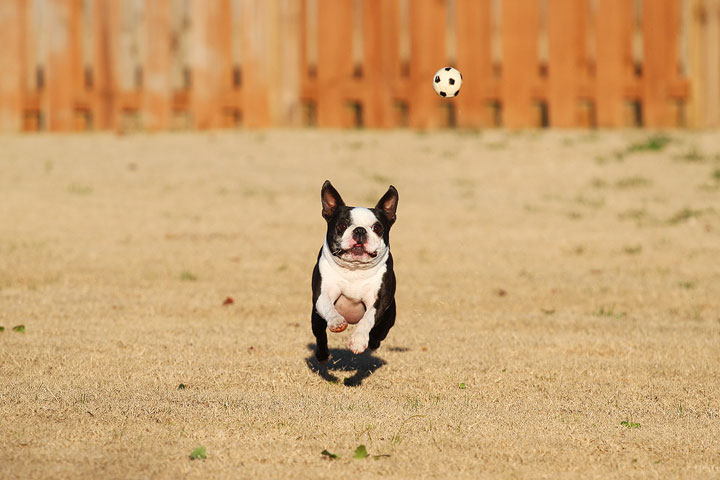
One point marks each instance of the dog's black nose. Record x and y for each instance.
(360, 234)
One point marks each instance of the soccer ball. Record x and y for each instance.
(447, 82)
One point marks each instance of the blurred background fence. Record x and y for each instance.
(70, 65)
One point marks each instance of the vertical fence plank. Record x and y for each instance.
(209, 33)
(62, 19)
(380, 63)
(12, 23)
(157, 92)
(427, 55)
(520, 33)
(474, 60)
(613, 59)
(105, 28)
(711, 60)
(660, 62)
(566, 60)
(283, 88)
(335, 63)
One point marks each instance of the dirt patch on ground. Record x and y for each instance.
(558, 306)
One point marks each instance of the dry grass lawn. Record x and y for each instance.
(558, 306)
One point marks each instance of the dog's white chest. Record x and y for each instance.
(356, 285)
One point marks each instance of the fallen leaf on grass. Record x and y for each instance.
(199, 452)
(360, 452)
(228, 301)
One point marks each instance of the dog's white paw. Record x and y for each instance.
(337, 325)
(359, 342)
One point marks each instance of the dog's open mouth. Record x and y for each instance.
(358, 250)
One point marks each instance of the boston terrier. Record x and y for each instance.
(353, 280)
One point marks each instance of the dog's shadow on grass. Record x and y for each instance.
(343, 360)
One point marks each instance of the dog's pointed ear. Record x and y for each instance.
(331, 199)
(388, 204)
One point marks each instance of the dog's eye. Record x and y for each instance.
(341, 227)
(377, 228)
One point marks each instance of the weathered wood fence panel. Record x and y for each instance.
(162, 64)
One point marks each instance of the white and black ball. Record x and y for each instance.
(447, 82)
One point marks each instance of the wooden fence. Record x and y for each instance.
(162, 64)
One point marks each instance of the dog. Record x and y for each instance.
(353, 281)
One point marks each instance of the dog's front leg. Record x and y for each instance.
(325, 306)
(361, 336)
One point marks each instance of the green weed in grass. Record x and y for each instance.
(654, 143)
(633, 182)
(716, 175)
(628, 424)
(188, 276)
(684, 215)
(19, 328)
(609, 312)
(687, 285)
(77, 189)
(633, 249)
(329, 455)
(199, 452)
(692, 156)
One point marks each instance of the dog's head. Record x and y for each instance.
(356, 236)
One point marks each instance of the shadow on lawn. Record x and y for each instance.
(343, 360)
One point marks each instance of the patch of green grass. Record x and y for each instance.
(633, 249)
(574, 215)
(654, 143)
(199, 452)
(633, 182)
(609, 312)
(639, 215)
(629, 424)
(691, 156)
(19, 328)
(684, 215)
(462, 386)
(598, 183)
(2, 329)
(715, 175)
(78, 189)
(592, 202)
(188, 276)
(496, 146)
(687, 285)
(381, 179)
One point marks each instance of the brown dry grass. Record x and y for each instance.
(570, 284)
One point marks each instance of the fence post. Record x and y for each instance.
(157, 91)
(474, 60)
(566, 23)
(12, 23)
(520, 33)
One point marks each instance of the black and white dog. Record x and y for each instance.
(353, 280)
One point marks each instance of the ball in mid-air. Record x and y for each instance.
(447, 82)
